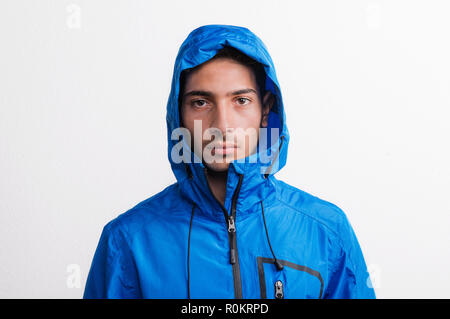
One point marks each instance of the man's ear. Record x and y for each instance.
(267, 104)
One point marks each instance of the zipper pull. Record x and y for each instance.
(279, 290)
(232, 231)
(231, 226)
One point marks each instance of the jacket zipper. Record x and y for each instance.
(234, 257)
(230, 221)
(279, 290)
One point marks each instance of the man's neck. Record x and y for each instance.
(218, 183)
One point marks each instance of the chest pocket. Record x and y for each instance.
(292, 282)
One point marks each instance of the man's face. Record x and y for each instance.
(223, 95)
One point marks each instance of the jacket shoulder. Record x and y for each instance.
(166, 202)
(322, 211)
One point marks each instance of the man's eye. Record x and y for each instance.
(243, 101)
(198, 103)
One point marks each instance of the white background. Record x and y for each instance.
(83, 92)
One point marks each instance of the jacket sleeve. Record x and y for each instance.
(112, 273)
(349, 278)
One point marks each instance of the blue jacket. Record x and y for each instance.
(269, 239)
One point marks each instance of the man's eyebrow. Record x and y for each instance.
(243, 91)
(198, 92)
(209, 94)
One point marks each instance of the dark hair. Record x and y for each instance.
(236, 55)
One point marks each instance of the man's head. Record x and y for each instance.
(227, 94)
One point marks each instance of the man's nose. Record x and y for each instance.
(222, 118)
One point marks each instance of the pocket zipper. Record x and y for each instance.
(279, 290)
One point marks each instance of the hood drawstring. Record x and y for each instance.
(189, 246)
(276, 262)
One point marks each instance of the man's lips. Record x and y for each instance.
(223, 149)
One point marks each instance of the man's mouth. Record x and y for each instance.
(224, 149)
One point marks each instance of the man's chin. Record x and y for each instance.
(217, 167)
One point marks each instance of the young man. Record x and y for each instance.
(228, 228)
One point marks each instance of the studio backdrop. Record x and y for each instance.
(83, 94)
